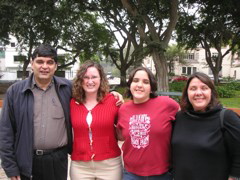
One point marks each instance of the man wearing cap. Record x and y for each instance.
(35, 129)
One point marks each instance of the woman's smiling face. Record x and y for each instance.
(199, 94)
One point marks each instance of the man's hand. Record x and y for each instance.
(15, 178)
(119, 97)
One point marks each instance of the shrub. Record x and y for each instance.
(233, 86)
(225, 91)
(121, 90)
(177, 86)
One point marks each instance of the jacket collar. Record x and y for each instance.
(57, 81)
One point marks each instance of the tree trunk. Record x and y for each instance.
(25, 65)
(161, 71)
(216, 77)
(123, 82)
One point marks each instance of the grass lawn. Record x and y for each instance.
(230, 102)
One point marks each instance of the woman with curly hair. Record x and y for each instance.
(96, 154)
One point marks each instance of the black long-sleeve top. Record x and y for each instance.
(202, 149)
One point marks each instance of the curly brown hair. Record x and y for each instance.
(185, 103)
(78, 92)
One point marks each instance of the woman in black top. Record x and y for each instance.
(202, 148)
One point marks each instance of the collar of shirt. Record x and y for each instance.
(34, 84)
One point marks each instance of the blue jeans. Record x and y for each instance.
(130, 176)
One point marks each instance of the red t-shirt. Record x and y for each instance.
(147, 128)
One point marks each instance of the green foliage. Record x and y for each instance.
(227, 79)
(177, 86)
(210, 24)
(233, 86)
(175, 53)
(225, 91)
(121, 90)
(228, 90)
(65, 24)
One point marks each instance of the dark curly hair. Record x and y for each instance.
(185, 103)
(78, 92)
(153, 82)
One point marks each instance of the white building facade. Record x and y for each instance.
(196, 62)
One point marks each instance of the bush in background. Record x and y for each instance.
(225, 91)
(121, 90)
(177, 86)
(233, 86)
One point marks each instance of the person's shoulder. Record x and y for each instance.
(164, 98)
(62, 81)
(109, 97)
(126, 105)
(167, 101)
(179, 113)
(231, 117)
(74, 103)
(18, 85)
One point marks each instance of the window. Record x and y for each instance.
(194, 69)
(197, 56)
(184, 70)
(214, 54)
(190, 56)
(188, 70)
(2, 53)
(12, 44)
(20, 58)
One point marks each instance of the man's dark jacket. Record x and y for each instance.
(16, 125)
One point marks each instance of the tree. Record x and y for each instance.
(212, 24)
(5, 21)
(33, 22)
(125, 52)
(82, 34)
(174, 53)
(156, 20)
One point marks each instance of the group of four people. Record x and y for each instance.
(40, 113)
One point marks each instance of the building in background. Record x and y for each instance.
(196, 62)
(11, 62)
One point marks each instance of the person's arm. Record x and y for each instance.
(119, 97)
(119, 134)
(7, 137)
(232, 141)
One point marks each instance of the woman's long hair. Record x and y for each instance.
(185, 103)
(78, 92)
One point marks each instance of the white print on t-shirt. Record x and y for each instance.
(139, 127)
